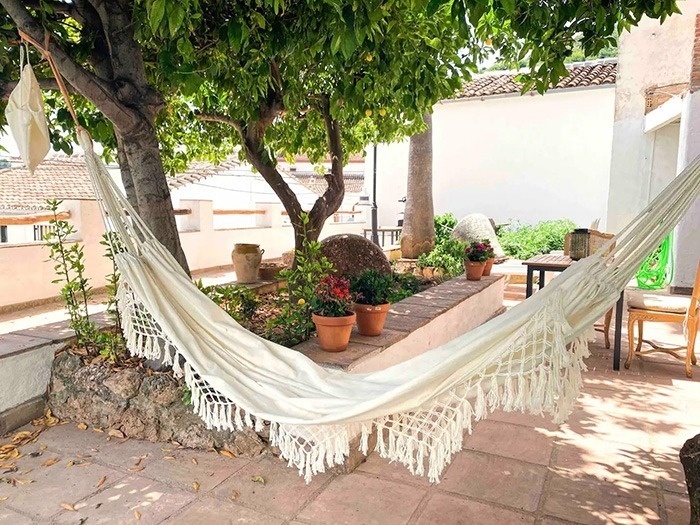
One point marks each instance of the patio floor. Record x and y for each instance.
(614, 461)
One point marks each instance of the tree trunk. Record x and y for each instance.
(690, 459)
(151, 188)
(125, 172)
(418, 235)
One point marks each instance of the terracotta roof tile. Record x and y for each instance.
(66, 178)
(582, 74)
(354, 182)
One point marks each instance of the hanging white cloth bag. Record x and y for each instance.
(27, 119)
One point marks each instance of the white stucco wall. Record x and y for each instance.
(641, 164)
(527, 158)
(655, 55)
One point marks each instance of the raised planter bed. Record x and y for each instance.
(417, 324)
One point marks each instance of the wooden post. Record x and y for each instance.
(690, 459)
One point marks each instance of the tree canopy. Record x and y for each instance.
(189, 79)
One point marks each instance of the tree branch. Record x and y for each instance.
(84, 82)
(48, 84)
(221, 119)
(332, 198)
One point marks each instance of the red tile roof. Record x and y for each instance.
(354, 182)
(582, 74)
(66, 178)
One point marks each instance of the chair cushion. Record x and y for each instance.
(658, 301)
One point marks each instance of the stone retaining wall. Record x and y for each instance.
(139, 403)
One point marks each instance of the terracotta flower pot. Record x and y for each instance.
(488, 266)
(333, 332)
(474, 269)
(370, 318)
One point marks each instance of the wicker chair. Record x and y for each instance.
(664, 308)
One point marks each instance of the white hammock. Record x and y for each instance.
(528, 359)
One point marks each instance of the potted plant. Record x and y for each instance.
(372, 290)
(331, 307)
(475, 257)
(491, 259)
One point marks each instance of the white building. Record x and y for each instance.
(513, 157)
(657, 125)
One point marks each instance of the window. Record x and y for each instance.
(41, 230)
(3, 234)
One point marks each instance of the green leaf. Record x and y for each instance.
(258, 19)
(509, 6)
(175, 19)
(156, 14)
(235, 35)
(433, 6)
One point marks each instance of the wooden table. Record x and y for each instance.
(559, 263)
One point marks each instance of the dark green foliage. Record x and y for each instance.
(406, 285)
(373, 287)
(239, 302)
(523, 241)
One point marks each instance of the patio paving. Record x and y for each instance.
(614, 461)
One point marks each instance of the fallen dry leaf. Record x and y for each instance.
(116, 433)
(70, 463)
(194, 460)
(235, 495)
(101, 482)
(227, 453)
(83, 464)
(258, 479)
(168, 457)
(3, 498)
(50, 462)
(195, 486)
(68, 506)
(138, 461)
(98, 429)
(42, 447)
(137, 515)
(21, 481)
(82, 426)
(136, 469)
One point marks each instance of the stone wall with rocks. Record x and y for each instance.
(140, 403)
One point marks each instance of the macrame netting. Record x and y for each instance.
(529, 359)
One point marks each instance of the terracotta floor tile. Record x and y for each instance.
(8, 516)
(120, 503)
(592, 502)
(677, 508)
(381, 467)
(512, 441)
(362, 499)
(456, 511)
(282, 495)
(483, 476)
(606, 461)
(209, 511)
(54, 485)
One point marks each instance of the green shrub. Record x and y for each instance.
(523, 241)
(239, 302)
(447, 256)
(444, 224)
(372, 287)
(406, 285)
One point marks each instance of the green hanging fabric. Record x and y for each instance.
(656, 271)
